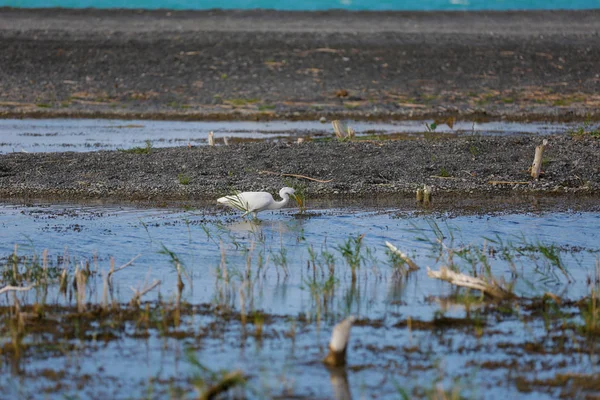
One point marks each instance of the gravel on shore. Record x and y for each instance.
(525, 65)
(463, 167)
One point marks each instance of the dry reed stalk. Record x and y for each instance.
(211, 138)
(15, 263)
(342, 131)
(427, 190)
(536, 167)
(137, 294)
(127, 264)
(419, 196)
(338, 345)
(226, 140)
(45, 264)
(243, 303)
(7, 289)
(490, 288)
(223, 263)
(81, 281)
(63, 281)
(412, 266)
(104, 291)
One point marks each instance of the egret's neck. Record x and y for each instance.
(276, 205)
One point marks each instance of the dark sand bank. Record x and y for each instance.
(299, 65)
(461, 168)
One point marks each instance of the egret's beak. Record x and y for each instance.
(298, 200)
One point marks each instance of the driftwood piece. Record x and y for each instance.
(412, 266)
(338, 345)
(536, 167)
(211, 138)
(6, 289)
(458, 279)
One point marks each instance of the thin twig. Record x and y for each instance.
(296, 176)
(508, 183)
(123, 266)
(490, 288)
(138, 295)
(444, 177)
(411, 264)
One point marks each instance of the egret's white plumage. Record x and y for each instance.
(253, 202)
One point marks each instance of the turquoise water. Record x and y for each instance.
(425, 5)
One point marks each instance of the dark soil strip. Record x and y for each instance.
(461, 167)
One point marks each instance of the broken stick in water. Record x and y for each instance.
(536, 168)
(411, 264)
(490, 288)
(427, 194)
(339, 343)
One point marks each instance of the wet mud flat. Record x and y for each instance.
(476, 167)
(211, 65)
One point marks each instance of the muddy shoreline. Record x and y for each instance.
(260, 65)
(474, 167)
(202, 65)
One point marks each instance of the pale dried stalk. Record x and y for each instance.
(81, 280)
(340, 133)
(419, 196)
(458, 279)
(137, 295)
(337, 128)
(338, 345)
(223, 263)
(211, 138)
(412, 266)
(427, 190)
(7, 289)
(112, 265)
(536, 168)
(297, 176)
(104, 291)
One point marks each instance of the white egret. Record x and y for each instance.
(253, 202)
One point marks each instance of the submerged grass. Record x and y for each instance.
(242, 278)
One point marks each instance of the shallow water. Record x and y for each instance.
(92, 135)
(380, 360)
(426, 5)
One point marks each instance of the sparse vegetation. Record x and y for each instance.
(139, 150)
(586, 130)
(183, 179)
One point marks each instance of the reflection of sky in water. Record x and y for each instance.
(196, 238)
(123, 232)
(93, 135)
(423, 5)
